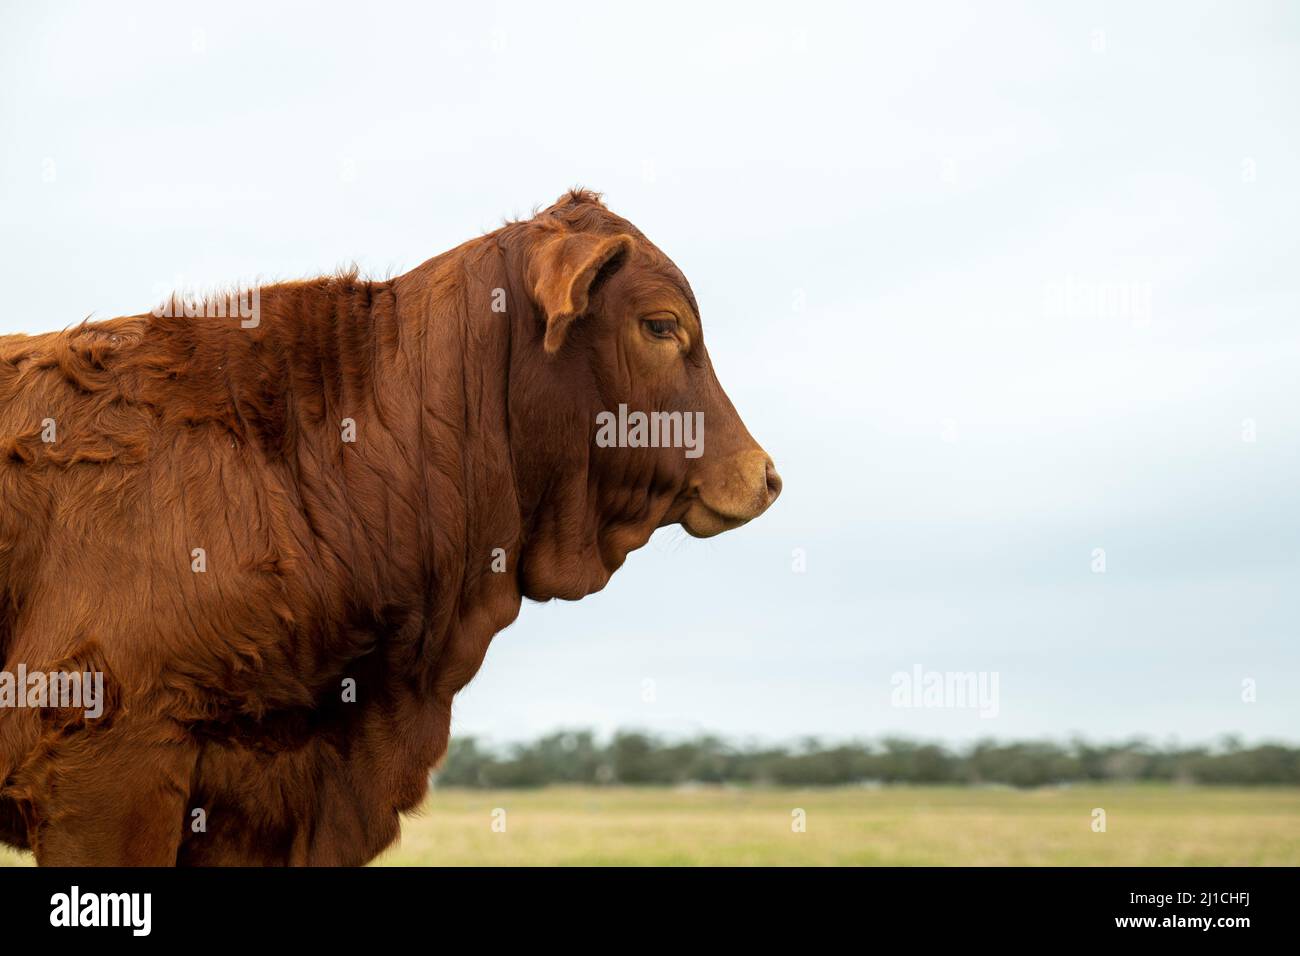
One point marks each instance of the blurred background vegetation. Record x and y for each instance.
(632, 758)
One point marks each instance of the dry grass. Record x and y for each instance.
(906, 825)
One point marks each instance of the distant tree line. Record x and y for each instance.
(633, 758)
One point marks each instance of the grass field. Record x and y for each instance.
(1145, 825)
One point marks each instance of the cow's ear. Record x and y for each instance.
(562, 271)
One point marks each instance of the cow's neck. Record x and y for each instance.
(457, 348)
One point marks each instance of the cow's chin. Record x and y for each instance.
(555, 569)
(701, 521)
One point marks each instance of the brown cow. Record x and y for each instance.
(285, 536)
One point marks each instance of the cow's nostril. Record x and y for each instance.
(773, 482)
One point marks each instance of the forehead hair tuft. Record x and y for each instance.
(580, 195)
(581, 210)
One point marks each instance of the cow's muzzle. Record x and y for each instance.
(731, 492)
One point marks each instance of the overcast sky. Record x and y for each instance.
(996, 286)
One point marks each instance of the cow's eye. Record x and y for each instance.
(661, 328)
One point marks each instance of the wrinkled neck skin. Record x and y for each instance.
(511, 505)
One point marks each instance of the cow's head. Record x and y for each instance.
(618, 424)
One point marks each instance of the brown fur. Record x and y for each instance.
(326, 559)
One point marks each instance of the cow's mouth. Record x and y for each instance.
(702, 521)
